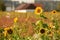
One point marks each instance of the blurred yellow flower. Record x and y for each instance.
(15, 19)
(58, 31)
(54, 11)
(51, 33)
(9, 38)
(37, 22)
(51, 25)
(7, 30)
(38, 10)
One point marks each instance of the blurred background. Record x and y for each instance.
(47, 5)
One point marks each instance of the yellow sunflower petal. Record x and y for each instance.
(15, 19)
(9, 38)
(51, 25)
(5, 33)
(54, 11)
(38, 10)
(6, 28)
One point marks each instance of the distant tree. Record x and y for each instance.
(2, 5)
(58, 6)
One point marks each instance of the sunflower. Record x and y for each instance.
(54, 11)
(15, 19)
(58, 31)
(50, 33)
(38, 10)
(42, 31)
(51, 25)
(7, 30)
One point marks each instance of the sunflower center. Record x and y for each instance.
(38, 10)
(54, 12)
(10, 31)
(49, 32)
(42, 31)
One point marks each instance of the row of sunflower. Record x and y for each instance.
(42, 30)
(46, 31)
(10, 33)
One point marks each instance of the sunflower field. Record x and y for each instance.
(37, 25)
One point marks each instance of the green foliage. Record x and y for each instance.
(2, 6)
(19, 28)
(56, 24)
(43, 16)
(45, 25)
(39, 24)
(44, 37)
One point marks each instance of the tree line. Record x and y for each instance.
(2, 5)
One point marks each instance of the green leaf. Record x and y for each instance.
(45, 37)
(56, 24)
(45, 26)
(34, 24)
(43, 16)
(1, 30)
(39, 23)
